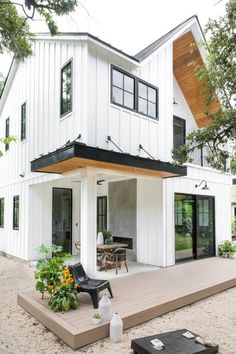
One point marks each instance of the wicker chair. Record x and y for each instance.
(116, 258)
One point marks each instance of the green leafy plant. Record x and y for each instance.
(97, 316)
(225, 248)
(49, 268)
(65, 296)
(107, 234)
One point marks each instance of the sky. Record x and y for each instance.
(129, 25)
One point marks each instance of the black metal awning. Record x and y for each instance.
(77, 155)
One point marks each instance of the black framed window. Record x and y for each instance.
(102, 213)
(16, 206)
(134, 94)
(234, 181)
(23, 122)
(66, 88)
(1, 212)
(179, 131)
(7, 132)
(122, 89)
(147, 100)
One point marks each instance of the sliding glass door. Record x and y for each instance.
(194, 226)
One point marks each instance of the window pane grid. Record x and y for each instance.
(147, 100)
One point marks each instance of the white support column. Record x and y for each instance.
(88, 219)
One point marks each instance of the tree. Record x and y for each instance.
(219, 80)
(1, 82)
(15, 35)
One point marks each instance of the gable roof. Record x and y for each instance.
(144, 53)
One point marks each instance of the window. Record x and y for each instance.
(66, 88)
(234, 181)
(179, 131)
(1, 212)
(203, 212)
(16, 212)
(23, 122)
(102, 213)
(7, 132)
(122, 89)
(147, 100)
(132, 93)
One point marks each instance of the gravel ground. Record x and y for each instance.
(214, 318)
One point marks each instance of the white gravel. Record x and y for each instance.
(213, 318)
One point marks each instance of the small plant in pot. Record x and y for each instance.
(97, 318)
(107, 235)
(226, 249)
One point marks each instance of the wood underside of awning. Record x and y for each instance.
(77, 156)
(185, 51)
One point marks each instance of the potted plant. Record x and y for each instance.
(96, 318)
(226, 249)
(107, 235)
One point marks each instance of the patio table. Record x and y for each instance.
(174, 343)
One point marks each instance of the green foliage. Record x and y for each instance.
(49, 268)
(97, 316)
(220, 78)
(64, 297)
(107, 235)
(1, 82)
(15, 35)
(7, 141)
(225, 248)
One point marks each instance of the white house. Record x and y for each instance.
(95, 130)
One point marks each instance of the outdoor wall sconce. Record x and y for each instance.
(174, 101)
(205, 185)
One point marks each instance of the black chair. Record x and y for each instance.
(88, 285)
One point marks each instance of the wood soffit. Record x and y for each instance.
(185, 51)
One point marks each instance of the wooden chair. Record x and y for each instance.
(116, 258)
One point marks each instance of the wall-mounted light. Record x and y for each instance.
(22, 174)
(205, 187)
(174, 101)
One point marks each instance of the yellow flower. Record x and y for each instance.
(64, 282)
(76, 286)
(66, 272)
(71, 279)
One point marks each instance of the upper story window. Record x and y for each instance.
(1, 212)
(66, 88)
(122, 89)
(7, 132)
(234, 181)
(179, 131)
(16, 202)
(23, 122)
(130, 92)
(147, 100)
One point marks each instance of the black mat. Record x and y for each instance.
(174, 343)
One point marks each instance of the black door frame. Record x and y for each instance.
(194, 236)
(71, 208)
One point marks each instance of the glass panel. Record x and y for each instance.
(117, 95)
(152, 109)
(128, 84)
(205, 226)
(142, 106)
(142, 90)
(2, 212)
(7, 131)
(23, 121)
(128, 100)
(16, 212)
(117, 78)
(62, 218)
(179, 132)
(184, 214)
(151, 95)
(66, 89)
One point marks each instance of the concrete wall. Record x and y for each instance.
(123, 211)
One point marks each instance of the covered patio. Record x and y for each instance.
(137, 298)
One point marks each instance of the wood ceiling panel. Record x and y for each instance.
(185, 51)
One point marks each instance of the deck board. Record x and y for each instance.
(138, 298)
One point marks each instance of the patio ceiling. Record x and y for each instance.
(77, 155)
(185, 51)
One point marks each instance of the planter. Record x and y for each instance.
(96, 321)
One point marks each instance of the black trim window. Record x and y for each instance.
(1, 212)
(66, 88)
(7, 132)
(23, 122)
(101, 213)
(122, 89)
(16, 205)
(134, 94)
(147, 100)
(178, 131)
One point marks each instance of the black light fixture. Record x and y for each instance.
(174, 101)
(205, 185)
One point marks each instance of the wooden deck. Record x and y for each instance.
(138, 298)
